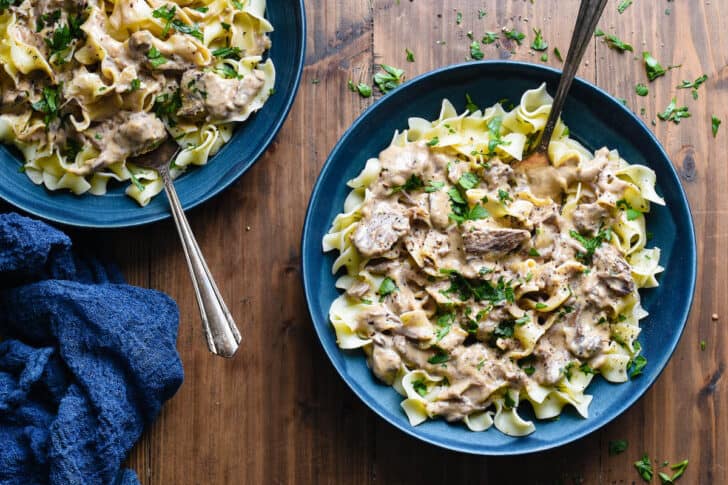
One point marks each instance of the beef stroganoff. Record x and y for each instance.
(89, 85)
(476, 280)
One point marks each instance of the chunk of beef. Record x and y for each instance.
(178, 51)
(207, 95)
(613, 271)
(439, 209)
(498, 174)
(481, 238)
(380, 231)
(588, 218)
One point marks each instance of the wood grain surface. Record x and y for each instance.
(278, 413)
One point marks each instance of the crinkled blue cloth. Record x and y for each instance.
(86, 361)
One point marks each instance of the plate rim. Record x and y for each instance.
(142, 220)
(411, 430)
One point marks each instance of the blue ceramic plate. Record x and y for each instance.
(250, 140)
(596, 119)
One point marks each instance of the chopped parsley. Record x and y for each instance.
(638, 365)
(623, 5)
(678, 468)
(193, 30)
(4, 4)
(515, 35)
(387, 287)
(534, 252)
(364, 90)
(694, 85)
(433, 141)
(166, 13)
(544, 57)
(49, 103)
(504, 329)
(489, 38)
(445, 322)
(469, 105)
(617, 446)
(481, 13)
(225, 25)
(479, 290)
(644, 468)
(494, 136)
(702, 345)
(541, 306)
(459, 18)
(590, 244)
(468, 180)
(136, 182)
(504, 196)
(632, 214)
(586, 368)
(529, 370)
(47, 19)
(227, 71)
(166, 106)
(227, 52)
(598, 32)
(673, 113)
(414, 182)
(475, 51)
(420, 387)
(460, 210)
(641, 90)
(410, 55)
(434, 186)
(715, 124)
(538, 43)
(238, 4)
(389, 79)
(653, 68)
(616, 43)
(135, 84)
(202, 9)
(557, 53)
(508, 400)
(440, 357)
(155, 57)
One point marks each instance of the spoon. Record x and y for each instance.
(586, 21)
(223, 337)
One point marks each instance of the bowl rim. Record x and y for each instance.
(142, 220)
(306, 241)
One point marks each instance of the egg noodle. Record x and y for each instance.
(475, 281)
(88, 85)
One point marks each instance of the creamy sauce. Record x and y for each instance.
(434, 320)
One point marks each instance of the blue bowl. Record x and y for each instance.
(596, 119)
(250, 140)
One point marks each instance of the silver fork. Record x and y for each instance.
(223, 336)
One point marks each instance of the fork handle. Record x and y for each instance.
(586, 21)
(223, 336)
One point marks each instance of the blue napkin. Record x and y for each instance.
(86, 361)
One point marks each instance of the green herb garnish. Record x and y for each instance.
(389, 79)
(641, 90)
(673, 113)
(617, 446)
(538, 43)
(439, 358)
(420, 387)
(155, 57)
(653, 68)
(386, 287)
(644, 468)
(715, 124)
(590, 244)
(615, 43)
(623, 5)
(469, 105)
(49, 103)
(489, 38)
(468, 180)
(434, 186)
(414, 182)
(410, 55)
(475, 51)
(638, 365)
(557, 53)
(694, 85)
(515, 35)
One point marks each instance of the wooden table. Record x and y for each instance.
(278, 412)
